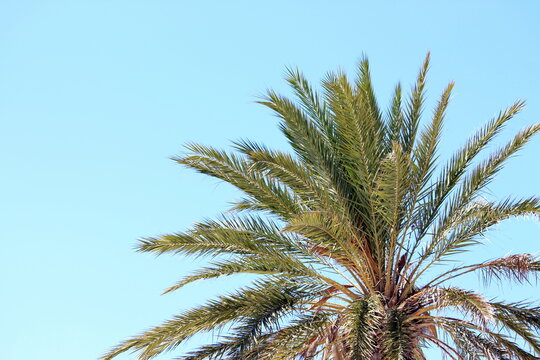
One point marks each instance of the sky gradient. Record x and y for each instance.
(96, 95)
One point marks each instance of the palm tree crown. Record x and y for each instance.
(345, 233)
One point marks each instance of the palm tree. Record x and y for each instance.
(347, 235)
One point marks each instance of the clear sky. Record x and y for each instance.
(96, 95)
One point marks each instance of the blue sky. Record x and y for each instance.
(96, 95)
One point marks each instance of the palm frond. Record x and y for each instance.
(395, 116)
(414, 109)
(311, 102)
(300, 178)
(452, 239)
(229, 235)
(456, 167)
(470, 303)
(265, 294)
(482, 174)
(282, 265)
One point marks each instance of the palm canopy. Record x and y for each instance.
(345, 233)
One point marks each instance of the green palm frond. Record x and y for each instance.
(229, 235)
(268, 194)
(456, 167)
(414, 108)
(310, 101)
(524, 330)
(246, 304)
(277, 265)
(482, 174)
(425, 152)
(283, 167)
(452, 239)
(395, 116)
